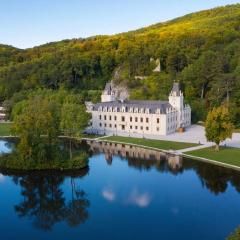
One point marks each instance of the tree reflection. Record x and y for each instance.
(58, 158)
(235, 181)
(45, 203)
(214, 178)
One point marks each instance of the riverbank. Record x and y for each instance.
(66, 173)
(226, 157)
(157, 144)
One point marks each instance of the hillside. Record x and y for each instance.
(202, 50)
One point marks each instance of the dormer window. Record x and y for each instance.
(136, 110)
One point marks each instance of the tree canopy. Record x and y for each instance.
(39, 119)
(201, 50)
(218, 125)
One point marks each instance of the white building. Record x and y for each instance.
(139, 118)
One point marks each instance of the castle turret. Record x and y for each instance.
(176, 98)
(108, 94)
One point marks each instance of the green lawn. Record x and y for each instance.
(5, 129)
(225, 155)
(92, 136)
(165, 145)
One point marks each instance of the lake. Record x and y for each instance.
(126, 193)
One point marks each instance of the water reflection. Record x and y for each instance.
(140, 158)
(1, 178)
(139, 199)
(214, 178)
(56, 157)
(143, 189)
(134, 197)
(45, 203)
(109, 195)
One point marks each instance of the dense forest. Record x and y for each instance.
(201, 50)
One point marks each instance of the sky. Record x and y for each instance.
(28, 23)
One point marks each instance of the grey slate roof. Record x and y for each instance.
(151, 105)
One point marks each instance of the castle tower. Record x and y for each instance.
(108, 94)
(176, 99)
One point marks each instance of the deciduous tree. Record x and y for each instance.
(218, 125)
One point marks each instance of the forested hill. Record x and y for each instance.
(201, 50)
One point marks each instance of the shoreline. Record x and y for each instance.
(173, 152)
(214, 162)
(101, 139)
(65, 172)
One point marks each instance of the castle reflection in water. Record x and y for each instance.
(215, 178)
(135, 154)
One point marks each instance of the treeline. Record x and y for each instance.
(201, 50)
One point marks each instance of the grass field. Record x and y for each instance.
(92, 136)
(5, 129)
(165, 145)
(225, 155)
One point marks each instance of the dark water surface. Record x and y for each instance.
(127, 193)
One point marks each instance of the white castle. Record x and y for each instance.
(113, 116)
